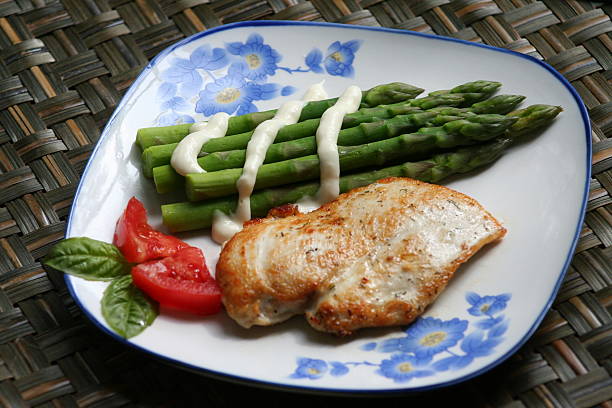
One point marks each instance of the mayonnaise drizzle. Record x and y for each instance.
(327, 148)
(224, 227)
(196, 127)
(185, 156)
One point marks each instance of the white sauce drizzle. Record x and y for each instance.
(196, 127)
(185, 156)
(327, 148)
(224, 226)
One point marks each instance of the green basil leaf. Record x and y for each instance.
(126, 308)
(88, 258)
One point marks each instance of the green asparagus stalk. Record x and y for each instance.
(158, 157)
(201, 186)
(187, 216)
(471, 92)
(364, 132)
(381, 94)
(166, 179)
(532, 118)
(460, 96)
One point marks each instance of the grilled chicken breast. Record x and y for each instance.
(376, 256)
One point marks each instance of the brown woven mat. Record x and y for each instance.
(64, 66)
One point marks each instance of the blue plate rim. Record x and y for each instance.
(341, 391)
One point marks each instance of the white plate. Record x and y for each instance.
(538, 190)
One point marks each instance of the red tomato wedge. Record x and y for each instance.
(181, 281)
(138, 241)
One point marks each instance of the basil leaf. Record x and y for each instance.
(126, 308)
(88, 258)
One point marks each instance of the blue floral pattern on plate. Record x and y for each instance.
(338, 60)
(428, 346)
(233, 94)
(233, 78)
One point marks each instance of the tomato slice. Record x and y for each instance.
(181, 281)
(138, 241)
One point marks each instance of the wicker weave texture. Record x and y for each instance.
(64, 66)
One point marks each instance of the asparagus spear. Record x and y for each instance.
(158, 156)
(460, 96)
(200, 186)
(166, 179)
(187, 216)
(381, 94)
(471, 92)
(532, 118)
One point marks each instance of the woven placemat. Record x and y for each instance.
(64, 66)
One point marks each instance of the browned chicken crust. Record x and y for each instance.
(376, 256)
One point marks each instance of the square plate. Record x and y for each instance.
(494, 303)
